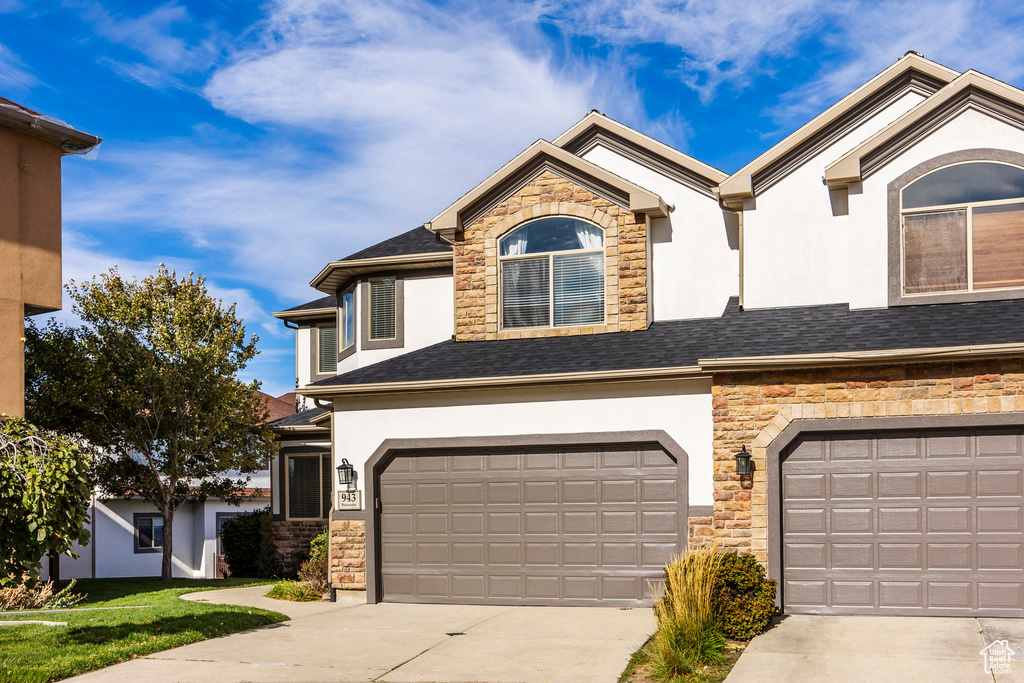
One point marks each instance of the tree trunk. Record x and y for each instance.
(54, 567)
(165, 566)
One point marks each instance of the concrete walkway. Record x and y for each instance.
(395, 643)
(878, 649)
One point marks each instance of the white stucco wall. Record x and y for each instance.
(113, 541)
(796, 252)
(868, 219)
(303, 355)
(695, 251)
(429, 318)
(682, 408)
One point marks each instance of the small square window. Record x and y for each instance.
(149, 533)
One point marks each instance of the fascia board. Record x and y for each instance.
(599, 120)
(847, 169)
(70, 140)
(740, 184)
(379, 261)
(498, 382)
(304, 313)
(639, 198)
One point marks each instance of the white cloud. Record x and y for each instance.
(865, 37)
(153, 36)
(716, 42)
(407, 107)
(14, 75)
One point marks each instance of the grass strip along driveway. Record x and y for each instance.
(97, 638)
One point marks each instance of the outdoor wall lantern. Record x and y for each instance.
(744, 467)
(346, 475)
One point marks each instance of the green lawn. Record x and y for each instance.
(92, 640)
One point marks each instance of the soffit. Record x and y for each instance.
(540, 156)
(337, 274)
(972, 90)
(597, 129)
(910, 73)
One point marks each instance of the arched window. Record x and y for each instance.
(963, 229)
(552, 274)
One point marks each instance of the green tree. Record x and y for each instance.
(150, 380)
(44, 497)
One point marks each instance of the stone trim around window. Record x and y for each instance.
(367, 344)
(896, 297)
(135, 532)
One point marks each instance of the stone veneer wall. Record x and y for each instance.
(348, 554)
(753, 408)
(476, 260)
(291, 540)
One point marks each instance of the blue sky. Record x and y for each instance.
(253, 142)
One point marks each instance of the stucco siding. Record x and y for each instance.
(680, 408)
(868, 262)
(796, 248)
(695, 251)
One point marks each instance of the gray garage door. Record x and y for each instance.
(587, 526)
(909, 524)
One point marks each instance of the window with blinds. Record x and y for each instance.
(963, 229)
(309, 486)
(327, 348)
(560, 288)
(382, 308)
(348, 319)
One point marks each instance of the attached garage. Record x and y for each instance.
(924, 522)
(572, 520)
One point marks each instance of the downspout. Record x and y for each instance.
(739, 229)
(330, 532)
(93, 538)
(455, 318)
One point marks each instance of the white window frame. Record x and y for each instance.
(502, 260)
(944, 208)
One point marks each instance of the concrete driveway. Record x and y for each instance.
(878, 649)
(396, 643)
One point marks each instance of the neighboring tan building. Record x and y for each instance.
(31, 147)
(552, 386)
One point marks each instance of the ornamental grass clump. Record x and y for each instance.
(688, 636)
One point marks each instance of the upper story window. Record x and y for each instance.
(963, 229)
(348, 318)
(327, 348)
(382, 308)
(552, 274)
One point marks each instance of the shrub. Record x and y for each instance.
(687, 635)
(296, 591)
(248, 544)
(744, 600)
(38, 596)
(314, 571)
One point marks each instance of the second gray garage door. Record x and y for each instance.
(908, 524)
(569, 526)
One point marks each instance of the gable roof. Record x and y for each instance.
(304, 420)
(526, 166)
(969, 90)
(24, 120)
(740, 339)
(911, 71)
(597, 129)
(325, 306)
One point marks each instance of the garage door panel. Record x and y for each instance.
(932, 524)
(564, 526)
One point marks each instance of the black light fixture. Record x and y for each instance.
(743, 465)
(346, 474)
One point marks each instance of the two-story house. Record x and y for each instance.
(608, 349)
